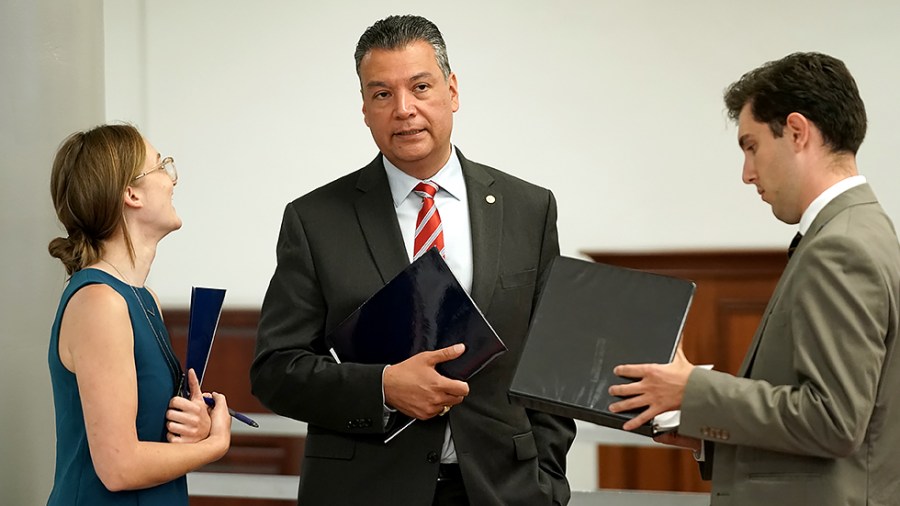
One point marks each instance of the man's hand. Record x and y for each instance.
(415, 388)
(675, 439)
(659, 388)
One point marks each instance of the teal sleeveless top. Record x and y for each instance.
(75, 482)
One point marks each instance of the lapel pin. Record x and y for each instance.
(490, 199)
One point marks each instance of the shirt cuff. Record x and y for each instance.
(386, 415)
(700, 455)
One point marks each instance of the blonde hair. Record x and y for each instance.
(90, 173)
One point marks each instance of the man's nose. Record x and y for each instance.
(404, 105)
(748, 175)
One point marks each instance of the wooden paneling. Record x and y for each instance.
(733, 289)
(228, 372)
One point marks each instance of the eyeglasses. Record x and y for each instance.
(167, 164)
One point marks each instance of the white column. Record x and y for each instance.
(51, 84)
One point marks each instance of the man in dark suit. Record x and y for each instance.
(812, 416)
(342, 242)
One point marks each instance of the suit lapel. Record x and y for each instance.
(486, 219)
(378, 220)
(861, 194)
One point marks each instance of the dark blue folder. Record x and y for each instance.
(423, 308)
(206, 308)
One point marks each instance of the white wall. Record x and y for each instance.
(615, 106)
(51, 84)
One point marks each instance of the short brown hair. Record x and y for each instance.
(815, 85)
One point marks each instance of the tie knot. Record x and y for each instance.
(426, 189)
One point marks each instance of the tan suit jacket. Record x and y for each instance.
(813, 417)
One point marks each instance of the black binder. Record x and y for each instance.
(590, 318)
(423, 308)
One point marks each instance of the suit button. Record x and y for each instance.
(432, 457)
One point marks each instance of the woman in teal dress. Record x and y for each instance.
(123, 435)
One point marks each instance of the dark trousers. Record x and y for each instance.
(450, 489)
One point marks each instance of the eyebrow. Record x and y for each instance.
(421, 75)
(417, 77)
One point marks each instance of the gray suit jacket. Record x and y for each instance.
(338, 245)
(814, 414)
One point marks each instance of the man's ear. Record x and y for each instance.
(798, 127)
(133, 198)
(454, 92)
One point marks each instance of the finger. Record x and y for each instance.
(194, 385)
(177, 428)
(455, 388)
(221, 403)
(679, 355)
(220, 419)
(626, 389)
(451, 400)
(445, 354)
(635, 371)
(182, 404)
(669, 438)
(629, 404)
(665, 439)
(176, 415)
(639, 420)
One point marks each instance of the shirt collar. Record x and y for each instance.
(449, 178)
(825, 197)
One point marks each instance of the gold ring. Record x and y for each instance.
(445, 411)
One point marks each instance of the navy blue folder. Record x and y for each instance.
(206, 308)
(590, 318)
(423, 308)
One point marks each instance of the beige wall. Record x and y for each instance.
(51, 84)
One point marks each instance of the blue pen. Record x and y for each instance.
(240, 416)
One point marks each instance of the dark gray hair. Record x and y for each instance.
(397, 32)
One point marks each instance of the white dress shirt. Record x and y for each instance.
(453, 207)
(825, 197)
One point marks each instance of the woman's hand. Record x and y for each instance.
(188, 420)
(220, 429)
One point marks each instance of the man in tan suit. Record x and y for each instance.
(813, 416)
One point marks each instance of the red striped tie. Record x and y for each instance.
(429, 231)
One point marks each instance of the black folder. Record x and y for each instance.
(423, 308)
(590, 318)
